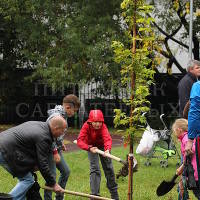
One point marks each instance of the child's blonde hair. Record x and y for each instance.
(180, 123)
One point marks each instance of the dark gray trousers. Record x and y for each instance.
(95, 174)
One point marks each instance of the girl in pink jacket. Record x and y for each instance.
(94, 134)
(180, 128)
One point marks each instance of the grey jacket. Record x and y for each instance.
(26, 146)
(58, 110)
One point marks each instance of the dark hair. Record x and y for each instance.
(73, 99)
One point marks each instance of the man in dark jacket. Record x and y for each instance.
(185, 84)
(27, 146)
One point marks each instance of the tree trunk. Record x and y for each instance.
(130, 177)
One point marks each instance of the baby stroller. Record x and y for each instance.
(155, 142)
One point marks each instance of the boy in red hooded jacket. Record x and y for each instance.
(94, 134)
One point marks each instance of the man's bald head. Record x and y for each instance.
(58, 120)
(57, 125)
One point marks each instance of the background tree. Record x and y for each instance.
(172, 23)
(64, 41)
(67, 40)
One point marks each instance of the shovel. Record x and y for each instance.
(124, 169)
(166, 186)
(107, 155)
(78, 194)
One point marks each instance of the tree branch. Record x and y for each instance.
(172, 58)
(186, 26)
(182, 17)
(171, 35)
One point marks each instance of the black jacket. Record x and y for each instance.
(26, 146)
(184, 88)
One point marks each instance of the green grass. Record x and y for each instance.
(145, 181)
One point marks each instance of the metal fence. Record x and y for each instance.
(164, 99)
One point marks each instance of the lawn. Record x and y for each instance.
(145, 181)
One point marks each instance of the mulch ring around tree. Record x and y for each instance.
(117, 140)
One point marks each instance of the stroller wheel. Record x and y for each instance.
(164, 163)
(147, 163)
(177, 164)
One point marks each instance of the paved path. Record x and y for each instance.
(117, 140)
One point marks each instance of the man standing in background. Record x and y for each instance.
(185, 84)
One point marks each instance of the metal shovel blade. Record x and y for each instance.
(166, 186)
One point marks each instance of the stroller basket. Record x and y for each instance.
(156, 142)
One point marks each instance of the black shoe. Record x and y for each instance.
(115, 196)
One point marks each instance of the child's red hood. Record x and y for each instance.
(95, 116)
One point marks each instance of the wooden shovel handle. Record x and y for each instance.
(108, 155)
(77, 193)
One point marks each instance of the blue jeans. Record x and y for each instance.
(23, 185)
(64, 175)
